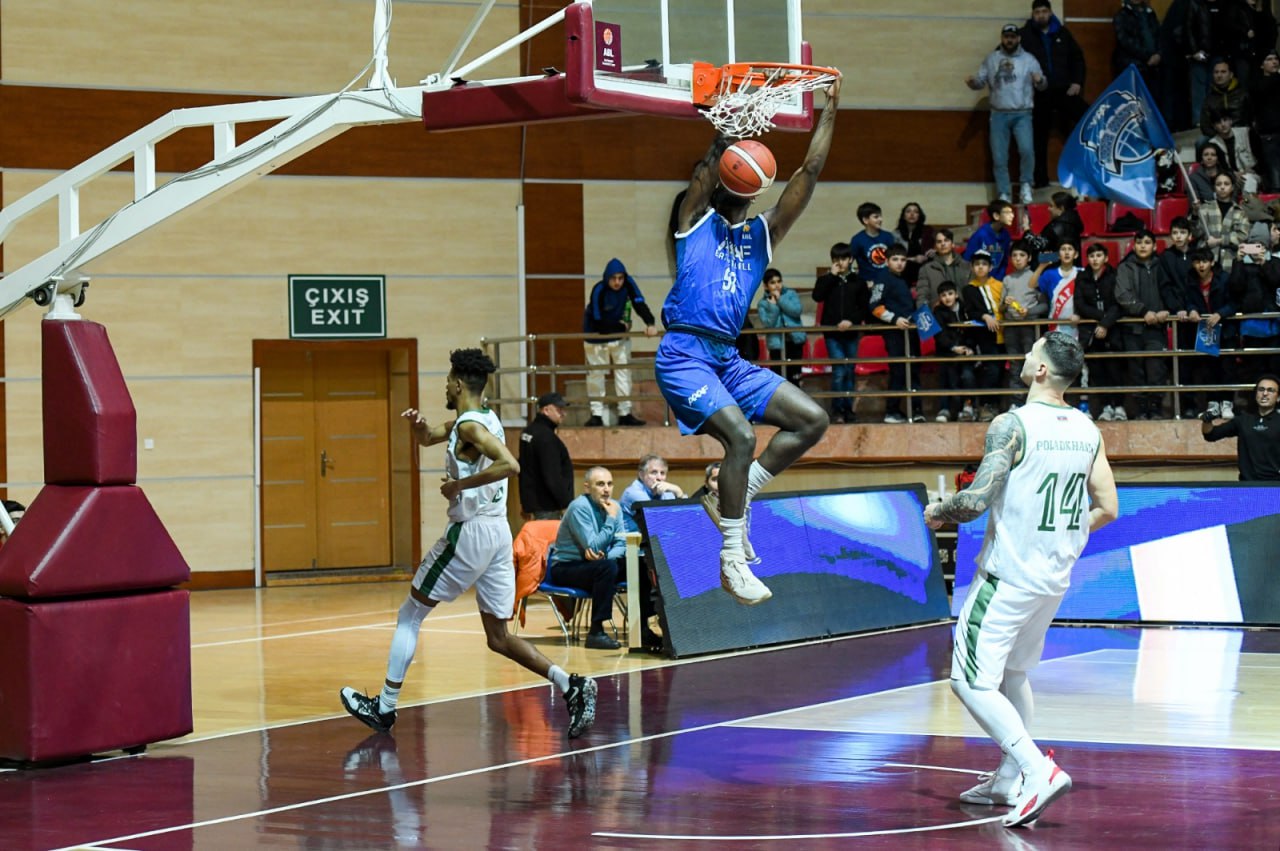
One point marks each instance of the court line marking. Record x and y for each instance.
(898, 831)
(265, 624)
(932, 767)
(308, 633)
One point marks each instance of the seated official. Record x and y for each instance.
(589, 552)
(650, 484)
(1257, 435)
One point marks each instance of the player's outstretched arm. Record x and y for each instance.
(425, 433)
(706, 174)
(1004, 447)
(1104, 503)
(801, 185)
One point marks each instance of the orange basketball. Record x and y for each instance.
(747, 168)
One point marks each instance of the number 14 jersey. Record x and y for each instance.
(1039, 523)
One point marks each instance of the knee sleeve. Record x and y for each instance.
(404, 643)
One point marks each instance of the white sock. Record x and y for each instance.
(757, 477)
(1017, 688)
(731, 529)
(560, 677)
(404, 643)
(995, 714)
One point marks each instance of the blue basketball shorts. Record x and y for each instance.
(698, 377)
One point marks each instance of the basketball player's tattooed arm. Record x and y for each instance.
(706, 176)
(1004, 447)
(801, 185)
(472, 434)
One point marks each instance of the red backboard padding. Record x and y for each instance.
(90, 426)
(86, 540)
(91, 675)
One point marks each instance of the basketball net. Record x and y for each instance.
(750, 96)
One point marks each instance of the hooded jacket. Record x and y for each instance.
(1058, 53)
(606, 311)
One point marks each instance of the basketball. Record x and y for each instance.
(747, 168)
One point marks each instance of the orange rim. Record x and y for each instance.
(708, 79)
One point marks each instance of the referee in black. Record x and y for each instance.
(1257, 435)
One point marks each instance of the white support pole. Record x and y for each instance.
(522, 296)
(665, 14)
(381, 37)
(224, 138)
(257, 477)
(729, 29)
(144, 170)
(68, 214)
(539, 27)
(482, 12)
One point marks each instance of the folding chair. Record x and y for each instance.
(576, 597)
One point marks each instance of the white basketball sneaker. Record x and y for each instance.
(1038, 793)
(993, 791)
(738, 580)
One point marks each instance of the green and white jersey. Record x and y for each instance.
(487, 500)
(1039, 522)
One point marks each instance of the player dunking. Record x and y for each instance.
(1041, 460)
(721, 256)
(475, 550)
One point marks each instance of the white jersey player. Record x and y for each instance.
(474, 550)
(1046, 479)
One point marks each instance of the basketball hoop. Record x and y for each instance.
(741, 98)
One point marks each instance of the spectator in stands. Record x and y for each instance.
(1198, 43)
(870, 245)
(892, 304)
(1014, 77)
(1144, 291)
(1176, 259)
(944, 265)
(1211, 161)
(650, 484)
(546, 471)
(1066, 224)
(953, 341)
(1206, 293)
(1226, 94)
(1229, 32)
(1022, 301)
(1234, 142)
(589, 550)
(1096, 300)
(710, 490)
(993, 238)
(1254, 287)
(1266, 98)
(1257, 435)
(1137, 29)
(983, 300)
(917, 237)
(1058, 287)
(1062, 61)
(779, 307)
(1261, 39)
(1225, 222)
(843, 299)
(608, 312)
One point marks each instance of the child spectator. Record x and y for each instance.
(983, 299)
(952, 342)
(1066, 224)
(1058, 286)
(779, 307)
(891, 303)
(1096, 300)
(945, 265)
(871, 245)
(1234, 142)
(1022, 300)
(993, 238)
(1226, 223)
(842, 303)
(1145, 292)
(917, 237)
(1206, 293)
(1176, 259)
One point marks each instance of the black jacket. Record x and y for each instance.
(1096, 297)
(1068, 227)
(948, 338)
(546, 472)
(1265, 96)
(1063, 62)
(842, 298)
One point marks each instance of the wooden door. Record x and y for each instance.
(325, 459)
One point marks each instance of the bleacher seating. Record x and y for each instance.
(1094, 216)
(1116, 211)
(1167, 209)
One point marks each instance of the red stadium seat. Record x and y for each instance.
(815, 348)
(1168, 209)
(1039, 215)
(1094, 216)
(871, 346)
(1117, 211)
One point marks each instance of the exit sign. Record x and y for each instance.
(337, 306)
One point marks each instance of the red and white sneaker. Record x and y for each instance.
(1038, 792)
(993, 791)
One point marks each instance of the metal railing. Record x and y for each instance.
(529, 374)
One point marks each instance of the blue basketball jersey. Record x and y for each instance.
(719, 266)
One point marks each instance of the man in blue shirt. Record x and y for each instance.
(721, 257)
(993, 238)
(650, 484)
(589, 550)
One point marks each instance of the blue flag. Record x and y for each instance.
(1209, 340)
(926, 324)
(1112, 151)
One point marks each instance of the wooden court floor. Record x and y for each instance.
(1171, 736)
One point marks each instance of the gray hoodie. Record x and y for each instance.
(1009, 77)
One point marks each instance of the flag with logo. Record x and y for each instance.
(926, 323)
(1111, 153)
(1209, 339)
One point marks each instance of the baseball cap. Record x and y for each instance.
(552, 399)
(980, 255)
(1010, 28)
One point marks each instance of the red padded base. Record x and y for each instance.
(79, 677)
(87, 540)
